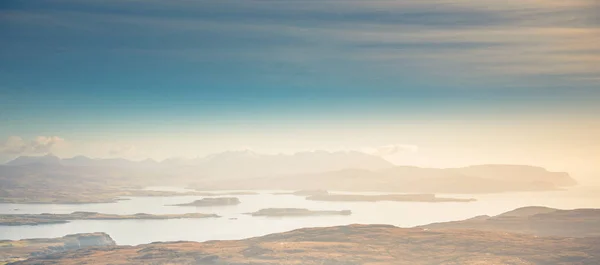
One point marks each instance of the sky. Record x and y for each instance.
(443, 82)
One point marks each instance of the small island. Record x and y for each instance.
(46, 218)
(39, 195)
(221, 201)
(386, 197)
(304, 193)
(289, 212)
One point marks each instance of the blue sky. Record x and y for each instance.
(152, 53)
(118, 71)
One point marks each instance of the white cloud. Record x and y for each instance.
(16, 145)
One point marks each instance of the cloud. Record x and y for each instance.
(16, 145)
(530, 42)
(392, 149)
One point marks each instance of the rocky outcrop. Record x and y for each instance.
(27, 248)
(78, 241)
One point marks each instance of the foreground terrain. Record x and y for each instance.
(26, 248)
(541, 221)
(528, 235)
(349, 245)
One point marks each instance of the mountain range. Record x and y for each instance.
(408, 179)
(230, 164)
(344, 171)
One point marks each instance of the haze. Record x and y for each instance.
(213, 116)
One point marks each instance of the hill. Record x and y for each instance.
(351, 245)
(541, 221)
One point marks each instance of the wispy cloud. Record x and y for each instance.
(446, 44)
(16, 145)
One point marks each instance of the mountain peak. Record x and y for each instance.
(48, 159)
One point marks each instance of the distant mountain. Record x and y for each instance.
(231, 164)
(245, 164)
(541, 221)
(48, 159)
(476, 179)
(79, 161)
(80, 178)
(350, 171)
(517, 172)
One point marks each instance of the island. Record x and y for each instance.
(99, 195)
(290, 212)
(151, 193)
(535, 220)
(15, 250)
(46, 218)
(387, 197)
(304, 193)
(221, 201)
(349, 245)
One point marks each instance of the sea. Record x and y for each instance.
(235, 223)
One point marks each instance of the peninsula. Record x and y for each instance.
(387, 197)
(46, 218)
